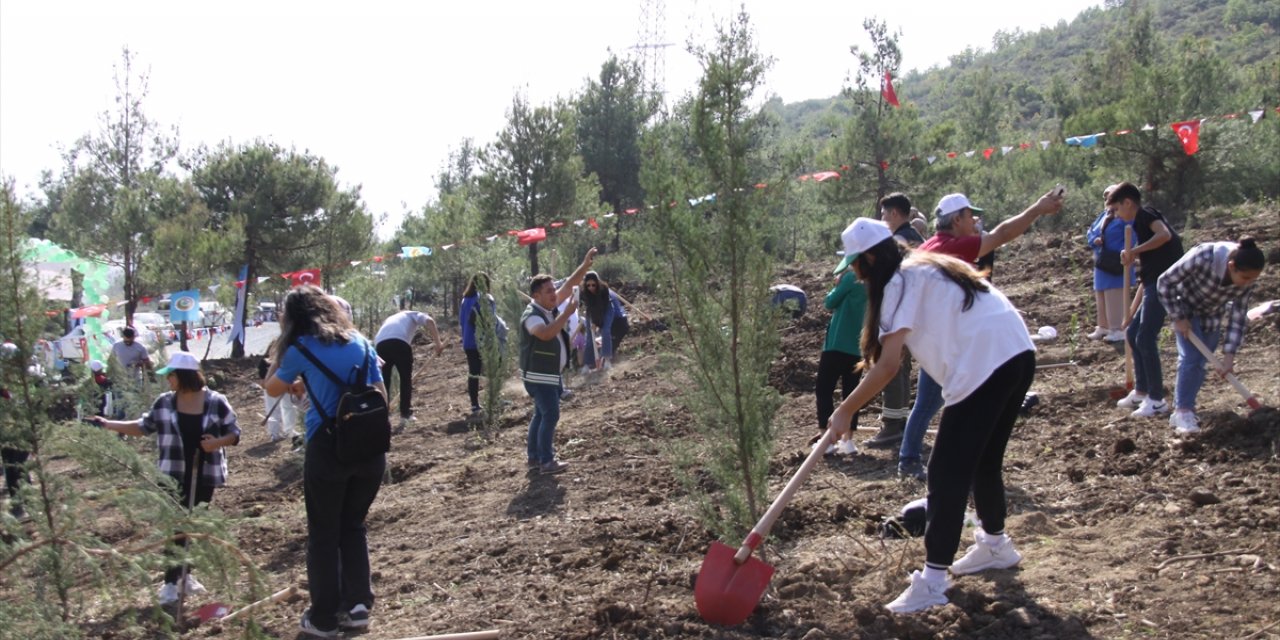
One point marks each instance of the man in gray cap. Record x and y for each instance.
(956, 234)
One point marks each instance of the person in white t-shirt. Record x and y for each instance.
(969, 338)
(394, 344)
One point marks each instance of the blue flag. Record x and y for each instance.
(184, 306)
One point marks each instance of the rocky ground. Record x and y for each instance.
(1127, 529)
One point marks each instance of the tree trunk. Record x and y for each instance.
(533, 259)
(182, 336)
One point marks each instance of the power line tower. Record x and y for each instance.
(651, 48)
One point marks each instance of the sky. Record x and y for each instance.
(383, 90)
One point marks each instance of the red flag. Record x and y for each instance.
(887, 91)
(557, 225)
(1189, 133)
(884, 165)
(593, 223)
(631, 212)
(306, 276)
(822, 176)
(951, 154)
(986, 153)
(531, 236)
(377, 258)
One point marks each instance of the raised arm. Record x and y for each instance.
(574, 280)
(1006, 231)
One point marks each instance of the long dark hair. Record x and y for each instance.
(596, 303)
(477, 282)
(308, 311)
(889, 257)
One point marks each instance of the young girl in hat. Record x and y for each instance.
(192, 424)
(969, 338)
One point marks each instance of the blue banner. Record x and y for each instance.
(184, 306)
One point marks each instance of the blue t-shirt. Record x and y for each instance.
(344, 360)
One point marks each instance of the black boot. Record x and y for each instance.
(889, 436)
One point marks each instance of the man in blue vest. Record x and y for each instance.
(544, 353)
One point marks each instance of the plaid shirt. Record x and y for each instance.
(219, 420)
(1197, 286)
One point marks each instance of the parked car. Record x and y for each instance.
(73, 345)
(154, 323)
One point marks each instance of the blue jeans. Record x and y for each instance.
(1191, 366)
(542, 428)
(928, 402)
(1142, 335)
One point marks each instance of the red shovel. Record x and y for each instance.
(730, 582)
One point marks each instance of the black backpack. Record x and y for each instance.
(361, 428)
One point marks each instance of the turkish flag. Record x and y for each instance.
(887, 91)
(986, 153)
(593, 223)
(1189, 133)
(531, 236)
(306, 276)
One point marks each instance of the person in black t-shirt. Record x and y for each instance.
(1157, 249)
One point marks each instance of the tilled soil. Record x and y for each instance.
(1127, 530)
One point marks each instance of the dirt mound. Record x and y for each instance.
(1127, 529)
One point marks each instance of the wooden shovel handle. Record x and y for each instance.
(1128, 312)
(283, 594)
(1249, 398)
(762, 528)
(491, 634)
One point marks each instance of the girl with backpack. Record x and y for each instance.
(968, 337)
(338, 491)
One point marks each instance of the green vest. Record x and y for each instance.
(540, 359)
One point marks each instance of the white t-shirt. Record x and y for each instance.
(401, 326)
(959, 349)
(534, 322)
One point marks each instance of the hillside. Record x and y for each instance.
(1024, 67)
(1127, 530)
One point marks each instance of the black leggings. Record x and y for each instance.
(835, 366)
(14, 474)
(969, 454)
(397, 353)
(204, 495)
(474, 368)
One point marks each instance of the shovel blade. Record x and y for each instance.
(727, 592)
(212, 611)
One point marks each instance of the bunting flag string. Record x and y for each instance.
(1187, 132)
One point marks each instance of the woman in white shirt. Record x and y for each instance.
(969, 338)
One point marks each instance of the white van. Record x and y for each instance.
(213, 314)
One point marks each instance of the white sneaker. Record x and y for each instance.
(830, 450)
(1098, 333)
(1150, 408)
(846, 448)
(1184, 422)
(168, 593)
(921, 595)
(987, 552)
(194, 586)
(1114, 336)
(1132, 400)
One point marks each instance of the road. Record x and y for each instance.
(257, 340)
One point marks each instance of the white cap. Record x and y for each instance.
(96, 365)
(863, 234)
(949, 205)
(179, 360)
